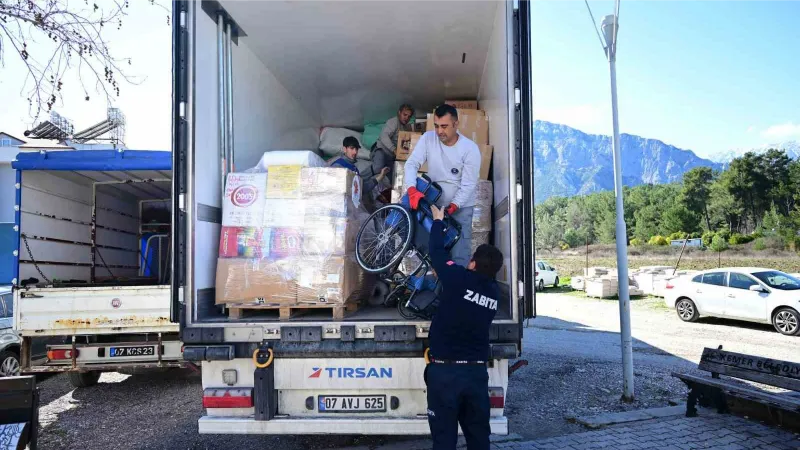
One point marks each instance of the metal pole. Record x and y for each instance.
(229, 97)
(222, 108)
(622, 233)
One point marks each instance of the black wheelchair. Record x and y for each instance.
(387, 236)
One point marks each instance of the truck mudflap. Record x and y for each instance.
(349, 425)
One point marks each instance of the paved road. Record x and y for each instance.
(573, 349)
(660, 338)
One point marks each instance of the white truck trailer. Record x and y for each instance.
(250, 77)
(92, 261)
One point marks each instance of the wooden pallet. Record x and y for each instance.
(289, 312)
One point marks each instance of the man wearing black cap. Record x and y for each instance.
(347, 160)
(457, 378)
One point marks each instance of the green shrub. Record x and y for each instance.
(775, 242)
(724, 234)
(658, 240)
(564, 246)
(718, 244)
(739, 239)
(708, 236)
(759, 244)
(635, 242)
(677, 235)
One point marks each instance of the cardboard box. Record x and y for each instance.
(330, 237)
(315, 181)
(283, 213)
(486, 160)
(243, 203)
(255, 281)
(474, 124)
(404, 148)
(244, 242)
(328, 281)
(462, 104)
(327, 188)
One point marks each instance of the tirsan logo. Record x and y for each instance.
(244, 195)
(351, 372)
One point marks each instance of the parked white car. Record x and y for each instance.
(10, 342)
(545, 275)
(751, 294)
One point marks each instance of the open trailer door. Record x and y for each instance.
(524, 147)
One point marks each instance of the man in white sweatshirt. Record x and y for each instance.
(454, 163)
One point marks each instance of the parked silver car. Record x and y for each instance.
(10, 342)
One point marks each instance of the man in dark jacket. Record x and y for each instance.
(347, 160)
(457, 379)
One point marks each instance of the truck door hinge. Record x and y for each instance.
(520, 289)
(516, 5)
(517, 96)
(182, 201)
(519, 192)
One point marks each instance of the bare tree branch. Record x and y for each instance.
(75, 38)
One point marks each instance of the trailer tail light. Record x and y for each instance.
(669, 285)
(536, 274)
(497, 397)
(61, 354)
(228, 398)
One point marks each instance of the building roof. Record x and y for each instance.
(12, 136)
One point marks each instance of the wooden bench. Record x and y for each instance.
(19, 412)
(715, 390)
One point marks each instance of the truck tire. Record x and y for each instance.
(83, 379)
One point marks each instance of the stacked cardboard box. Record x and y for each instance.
(482, 214)
(288, 237)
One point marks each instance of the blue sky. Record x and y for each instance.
(706, 76)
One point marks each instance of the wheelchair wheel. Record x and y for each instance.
(384, 238)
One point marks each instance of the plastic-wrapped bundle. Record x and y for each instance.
(482, 215)
(301, 251)
(478, 238)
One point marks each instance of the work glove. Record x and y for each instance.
(414, 196)
(452, 209)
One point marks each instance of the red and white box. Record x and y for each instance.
(243, 204)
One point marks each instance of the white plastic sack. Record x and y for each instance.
(330, 141)
(303, 158)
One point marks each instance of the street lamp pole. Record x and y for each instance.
(610, 27)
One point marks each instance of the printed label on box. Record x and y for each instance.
(243, 204)
(283, 182)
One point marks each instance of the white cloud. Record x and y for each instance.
(787, 130)
(751, 128)
(587, 118)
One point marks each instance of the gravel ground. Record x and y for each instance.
(573, 350)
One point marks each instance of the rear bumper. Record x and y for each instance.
(365, 426)
(103, 367)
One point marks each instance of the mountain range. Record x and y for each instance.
(570, 162)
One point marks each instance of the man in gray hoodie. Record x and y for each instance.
(454, 162)
(382, 154)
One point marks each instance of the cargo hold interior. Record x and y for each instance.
(126, 214)
(301, 66)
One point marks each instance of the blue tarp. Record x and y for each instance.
(8, 243)
(105, 160)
